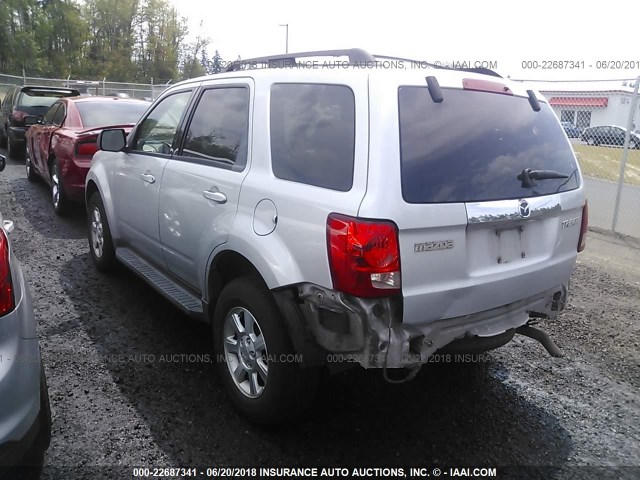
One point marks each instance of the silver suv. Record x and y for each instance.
(317, 212)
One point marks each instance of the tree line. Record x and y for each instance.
(123, 40)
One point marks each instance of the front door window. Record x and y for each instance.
(156, 133)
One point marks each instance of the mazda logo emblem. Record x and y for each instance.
(524, 209)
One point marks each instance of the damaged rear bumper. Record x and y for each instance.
(371, 333)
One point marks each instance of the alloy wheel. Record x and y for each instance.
(97, 238)
(245, 352)
(55, 186)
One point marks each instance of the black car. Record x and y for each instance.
(609, 135)
(571, 130)
(20, 102)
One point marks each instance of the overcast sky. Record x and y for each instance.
(506, 32)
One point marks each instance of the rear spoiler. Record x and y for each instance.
(69, 91)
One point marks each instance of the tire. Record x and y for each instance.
(633, 144)
(100, 241)
(3, 138)
(44, 439)
(12, 150)
(58, 197)
(281, 389)
(30, 466)
(591, 141)
(31, 175)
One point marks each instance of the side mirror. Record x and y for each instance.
(31, 120)
(3, 162)
(8, 226)
(112, 140)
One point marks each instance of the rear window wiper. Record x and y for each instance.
(528, 176)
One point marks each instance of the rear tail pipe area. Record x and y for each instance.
(541, 337)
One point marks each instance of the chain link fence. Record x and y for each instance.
(602, 121)
(142, 91)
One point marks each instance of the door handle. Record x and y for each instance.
(216, 196)
(147, 177)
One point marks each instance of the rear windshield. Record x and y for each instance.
(112, 112)
(39, 98)
(472, 146)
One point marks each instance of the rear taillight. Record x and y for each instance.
(7, 303)
(364, 256)
(582, 241)
(18, 115)
(86, 147)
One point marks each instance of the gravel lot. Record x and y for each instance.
(130, 384)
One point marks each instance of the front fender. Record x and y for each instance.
(99, 174)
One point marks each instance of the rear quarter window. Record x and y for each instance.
(472, 146)
(313, 134)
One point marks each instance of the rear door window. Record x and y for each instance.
(59, 116)
(219, 128)
(472, 146)
(8, 97)
(313, 134)
(50, 115)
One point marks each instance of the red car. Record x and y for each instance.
(60, 145)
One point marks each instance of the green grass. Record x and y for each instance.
(604, 162)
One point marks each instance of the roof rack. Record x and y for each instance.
(388, 57)
(356, 55)
(480, 70)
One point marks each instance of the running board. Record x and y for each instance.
(167, 287)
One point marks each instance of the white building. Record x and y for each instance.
(590, 104)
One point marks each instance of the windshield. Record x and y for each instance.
(112, 112)
(39, 98)
(473, 145)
